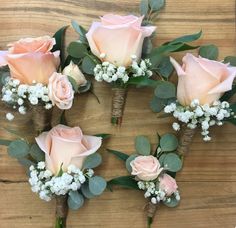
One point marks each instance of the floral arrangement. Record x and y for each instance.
(204, 89)
(31, 79)
(61, 164)
(132, 60)
(152, 173)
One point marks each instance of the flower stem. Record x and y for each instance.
(149, 222)
(61, 211)
(60, 222)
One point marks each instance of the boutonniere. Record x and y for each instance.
(118, 50)
(152, 172)
(204, 89)
(61, 166)
(33, 78)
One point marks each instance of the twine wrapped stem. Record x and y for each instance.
(118, 104)
(151, 212)
(41, 118)
(61, 211)
(185, 140)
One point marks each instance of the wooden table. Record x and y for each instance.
(208, 180)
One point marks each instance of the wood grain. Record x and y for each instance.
(208, 180)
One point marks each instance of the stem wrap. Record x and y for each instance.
(151, 212)
(61, 211)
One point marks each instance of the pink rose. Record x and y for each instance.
(31, 59)
(146, 168)
(60, 91)
(66, 146)
(167, 184)
(118, 37)
(202, 79)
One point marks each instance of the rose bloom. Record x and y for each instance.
(73, 71)
(202, 79)
(118, 37)
(31, 59)
(60, 91)
(167, 184)
(64, 146)
(146, 168)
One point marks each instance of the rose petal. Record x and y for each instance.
(3, 55)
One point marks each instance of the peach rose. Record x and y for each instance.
(146, 168)
(31, 59)
(202, 79)
(118, 37)
(73, 71)
(60, 91)
(167, 184)
(64, 146)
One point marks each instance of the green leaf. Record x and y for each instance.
(3, 77)
(142, 81)
(103, 136)
(209, 51)
(36, 153)
(162, 158)
(165, 68)
(75, 200)
(63, 118)
(229, 94)
(147, 47)
(118, 154)
(88, 64)
(168, 142)
(73, 83)
(124, 181)
(158, 104)
(172, 162)
(231, 60)
(97, 185)
(5, 142)
(80, 30)
(59, 46)
(156, 5)
(77, 49)
(165, 90)
(144, 7)
(142, 145)
(172, 203)
(186, 38)
(127, 162)
(18, 149)
(92, 161)
(26, 162)
(86, 192)
(85, 88)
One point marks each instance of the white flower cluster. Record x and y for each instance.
(200, 115)
(110, 73)
(156, 194)
(20, 95)
(44, 183)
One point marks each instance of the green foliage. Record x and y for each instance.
(75, 200)
(73, 83)
(86, 192)
(97, 185)
(118, 154)
(165, 68)
(5, 142)
(231, 60)
(18, 149)
(88, 64)
(103, 136)
(80, 30)
(209, 51)
(124, 181)
(26, 162)
(142, 145)
(168, 142)
(158, 104)
(144, 7)
(156, 5)
(142, 81)
(172, 162)
(229, 94)
(165, 90)
(85, 88)
(127, 162)
(92, 161)
(77, 49)
(172, 203)
(36, 153)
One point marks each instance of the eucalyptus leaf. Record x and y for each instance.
(97, 185)
(36, 153)
(142, 81)
(77, 49)
(165, 68)
(172, 162)
(142, 145)
(75, 200)
(124, 181)
(88, 64)
(86, 192)
(5, 142)
(231, 60)
(122, 156)
(156, 5)
(127, 162)
(172, 203)
(209, 51)
(144, 7)
(26, 162)
(229, 94)
(92, 161)
(85, 88)
(80, 30)
(73, 83)
(165, 90)
(18, 149)
(168, 142)
(161, 159)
